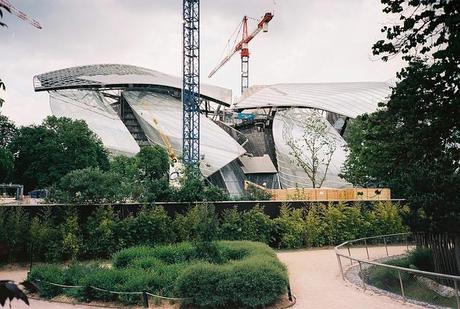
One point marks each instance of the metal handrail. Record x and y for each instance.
(398, 268)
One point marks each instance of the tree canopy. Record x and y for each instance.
(412, 144)
(44, 153)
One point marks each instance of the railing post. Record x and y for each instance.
(367, 249)
(349, 254)
(362, 275)
(31, 256)
(145, 299)
(289, 291)
(386, 247)
(402, 286)
(407, 242)
(340, 265)
(456, 294)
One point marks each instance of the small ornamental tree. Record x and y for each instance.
(313, 151)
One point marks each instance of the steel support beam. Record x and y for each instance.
(191, 82)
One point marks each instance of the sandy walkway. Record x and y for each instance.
(314, 277)
(316, 282)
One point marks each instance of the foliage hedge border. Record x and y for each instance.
(250, 275)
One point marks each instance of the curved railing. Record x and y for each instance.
(374, 250)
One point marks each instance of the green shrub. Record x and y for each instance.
(255, 283)
(49, 273)
(108, 279)
(251, 275)
(256, 280)
(71, 241)
(124, 257)
(15, 232)
(175, 253)
(168, 254)
(387, 278)
(289, 228)
(99, 232)
(202, 283)
(256, 225)
(231, 225)
(152, 226)
(314, 234)
(342, 223)
(422, 258)
(387, 219)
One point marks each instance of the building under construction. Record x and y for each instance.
(129, 107)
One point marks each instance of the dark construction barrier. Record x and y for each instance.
(271, 208)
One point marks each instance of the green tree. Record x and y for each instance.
(193, 189)
(7, 131)
(425, 27)
(6, 165)
(153, 162)
(47, 152)
(126, 169)
(88, 186)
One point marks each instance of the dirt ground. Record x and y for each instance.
(316, 281)
(314, 277)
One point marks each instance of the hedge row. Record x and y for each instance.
(71, 235)
(245, 274)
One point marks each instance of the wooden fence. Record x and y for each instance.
(363, 194)
(445, 248)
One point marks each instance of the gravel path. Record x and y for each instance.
(314, 277)
(316, 281)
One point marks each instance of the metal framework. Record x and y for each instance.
(191, 82)
(243, 47)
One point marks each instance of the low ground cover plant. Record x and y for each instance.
(388, 279)
(246, 274)
(82, 233)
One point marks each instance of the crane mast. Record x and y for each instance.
(243, 47)
(191, 83)
(20, 14)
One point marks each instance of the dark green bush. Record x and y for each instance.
(256, 280)
(290, 228)
(422, 258)
(202, 283)
(99, 233)
(75, 233)
(49, 273)
(152, 226)
(168, 254)
(124, 257)
(231, 225)
(245, 274)
(314, 227)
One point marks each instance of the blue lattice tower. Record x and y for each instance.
(191, 83)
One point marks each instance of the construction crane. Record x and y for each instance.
(191, 83)
(8, 6)
(243, 48)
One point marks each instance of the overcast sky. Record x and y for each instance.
(308, 41)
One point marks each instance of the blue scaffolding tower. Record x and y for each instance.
(191, 83)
